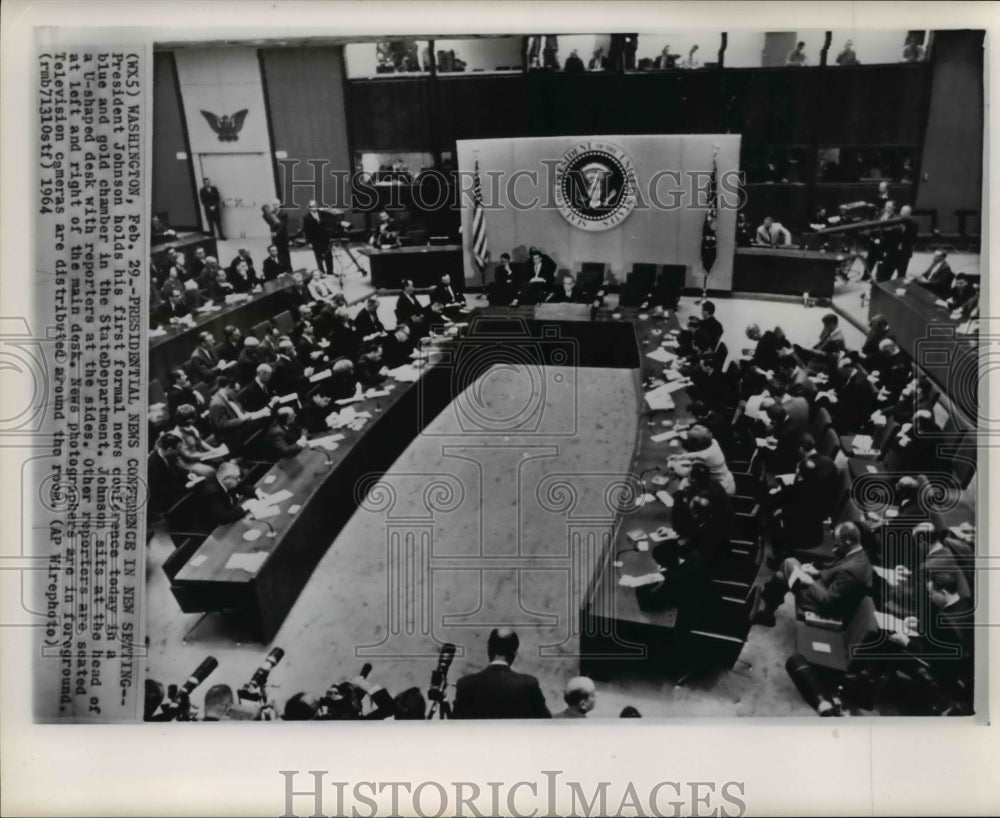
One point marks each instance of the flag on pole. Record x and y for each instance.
(709, 240)
(480, 248)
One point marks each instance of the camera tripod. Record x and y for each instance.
(339, 248)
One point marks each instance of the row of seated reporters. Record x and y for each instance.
(495, 692)
(247, 399)
(767, 429)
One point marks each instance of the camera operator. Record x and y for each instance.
(343, 702)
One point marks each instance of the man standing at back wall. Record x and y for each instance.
(211, 200)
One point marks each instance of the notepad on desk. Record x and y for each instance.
(250, 563)
(277, 497)
(662, 437)
(661, 356)
(659, 398)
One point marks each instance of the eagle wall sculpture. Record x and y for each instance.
(226, 127)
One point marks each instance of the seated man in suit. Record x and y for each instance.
(230, 422)
(961, 292)
(371, 372)
(825, 351)
(241, 276)
(193, 297)
(833, 592)
(345, 341)
(712, 386)
(688, 563)
(209, 273)
(297, 295)
(250, 358)
(878, 331)
(273, 265)
(498, 692)
(568, 292)
(284, 437)
(180, 392)
(243, 256)
(166, 476)
(916, 560)
(803, 505)
(946, 641)
(316, 410)
(786, 430)
(173, 309)
(938, 276)
(367, 324)
(894, 373)
(217, 499)
(541, 277)
(220, 287)
(445, 294)
(851, 400)
(769, 347)
(397, 348)
(204, 363)
(290, 375)
(259, 394)
(321, 287)
(407, 304)
(171, 284)
(797, 378)
(502, 290)
(580, 698)
(232, 344)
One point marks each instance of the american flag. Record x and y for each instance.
(480, 248)
(709, 240)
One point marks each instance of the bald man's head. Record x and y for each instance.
(503, 644)
(580, 694)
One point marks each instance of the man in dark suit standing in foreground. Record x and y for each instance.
(498, 692)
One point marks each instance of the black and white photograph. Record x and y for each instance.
(382, 363)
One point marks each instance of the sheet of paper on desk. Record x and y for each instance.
(659, 398)
(405, 374)
(888, 622)
(888, 574)
(787, 479)
(665, 498)
(328, 442)
(664, 436)
(862, 443)
(197, 560)
(262, 511)
(156, 333)
(277, 497)
(821, 647)
(193, 480)
(661, 356)
(376, 393)
(630, 581)
(250, 563)
(320, 376)
(291, 397)
(348, 401)
(673, 386)
(643, 499)
(270, 479)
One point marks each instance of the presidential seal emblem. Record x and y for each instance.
(595, 186)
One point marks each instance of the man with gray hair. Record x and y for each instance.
(833, 592)
(218, 499)
(259, 393)
(580, 698)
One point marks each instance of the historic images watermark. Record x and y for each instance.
(550, 793)
(545, 187)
